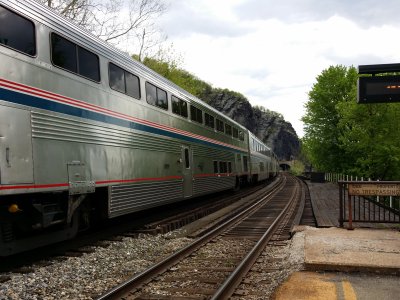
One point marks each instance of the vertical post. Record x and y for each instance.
(341, 204)
(350, 213)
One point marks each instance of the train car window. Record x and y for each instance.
(116, 78)
(215, 166)
(261, 166)
(235, 133)
(63, 53)
(196, 114)
(132, 85)
(179, 106)
(184, 109)
(151, 94)
(209, 120)
(162, 99)
(68, 55)
(88, 64)
(220, 125)
(229, 167)
(228, 129)
(17, 32)
(241, 135)
(123, 81)
(156, 96)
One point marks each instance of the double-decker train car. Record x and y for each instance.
(88, 133)
(263, 162)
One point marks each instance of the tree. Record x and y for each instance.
(343, 136)
(370, 139)
(116, 21)
(322, 133)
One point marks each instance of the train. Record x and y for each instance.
(87, 133)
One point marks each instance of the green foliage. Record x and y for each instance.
(371, 140)
(298, 168)
(343, 136)
(180, 77)
(322, 117)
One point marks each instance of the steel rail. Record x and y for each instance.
(147, 275)
(230, 284)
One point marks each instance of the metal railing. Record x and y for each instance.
(369, 202)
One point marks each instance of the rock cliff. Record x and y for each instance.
(268, 126)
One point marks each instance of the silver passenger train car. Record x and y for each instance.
(86, 132)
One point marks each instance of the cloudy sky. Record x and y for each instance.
(272, 51)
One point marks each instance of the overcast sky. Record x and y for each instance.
(272, 51)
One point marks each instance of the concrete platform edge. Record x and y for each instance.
(351, 269)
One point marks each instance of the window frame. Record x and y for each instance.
(234, 129)
(124, 79)
(196, 114)
(157, 93)
(241, 135)
(220, 127)
(228, 126)
(34, 34)
(180, 101)
(53, 33)
(207, 118)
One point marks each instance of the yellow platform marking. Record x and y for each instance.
(307, 286)
(348, 291)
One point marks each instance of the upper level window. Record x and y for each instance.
(17, 32)
(74, 58)
(209, 120)
(228, 129)
(196, 114)
(241, 135)
(156, 96)
(220, 125)
(235, 132)
(179, 106)
(123, 81)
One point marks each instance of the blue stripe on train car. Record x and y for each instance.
(37, 102)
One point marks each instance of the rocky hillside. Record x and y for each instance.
(268, 126)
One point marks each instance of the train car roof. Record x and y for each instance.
(47, 16)
(252, 135)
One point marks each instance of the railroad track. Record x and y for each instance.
(172, 218)
(214, 265)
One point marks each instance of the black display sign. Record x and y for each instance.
(378, 89)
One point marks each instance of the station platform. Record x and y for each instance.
(363, 263)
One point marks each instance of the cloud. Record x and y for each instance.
(366, 13)
(201, 17)
(272, 52)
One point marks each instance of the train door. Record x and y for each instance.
(187, 171)
(16, 163)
